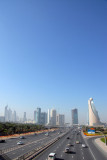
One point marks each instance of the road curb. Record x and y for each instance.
(101, 146)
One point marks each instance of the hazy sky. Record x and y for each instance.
(53, 54)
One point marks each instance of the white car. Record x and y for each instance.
(77, 142)
(22, 137)
(47, 134)
(66, 150)
(83, 145)
(52, 156)
(20, 143)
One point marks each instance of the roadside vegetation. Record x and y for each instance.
(103, 140)
(17, 128)
(98, 131)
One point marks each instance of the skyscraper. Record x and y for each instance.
(24, 117)
(74, 116)
(60, 120)
(10, 115)
(48, 117)
(93, 114)
(53, 117)
(6, 113)
(14, 116)
(43, 118)
(37, 116)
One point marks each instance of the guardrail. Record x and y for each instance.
(4, 157)
(9, 149)
(36, 151)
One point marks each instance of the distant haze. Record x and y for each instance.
(53, 54)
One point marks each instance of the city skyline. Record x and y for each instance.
(10, 115)
(53, 55)
(39, 117)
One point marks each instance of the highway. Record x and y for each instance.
(97, 153)
(77, 152)
(12, 150)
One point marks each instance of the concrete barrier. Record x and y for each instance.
(36, 151)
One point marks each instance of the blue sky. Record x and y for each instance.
(53, 54)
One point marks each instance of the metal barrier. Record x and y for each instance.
(33, 153)
(5, 157)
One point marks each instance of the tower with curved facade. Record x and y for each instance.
(93, 114)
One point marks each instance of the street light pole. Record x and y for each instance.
(105, 140)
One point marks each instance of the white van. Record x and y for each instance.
(52, 156)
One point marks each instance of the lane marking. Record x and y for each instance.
(88, 147)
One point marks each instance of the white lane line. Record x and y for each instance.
(72, 156)
(89, 147)
(83, 157)
(61, 155)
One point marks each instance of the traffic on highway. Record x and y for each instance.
(60, 144)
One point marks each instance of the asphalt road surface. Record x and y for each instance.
(12, 150)
(96, 151)
(77, 152)
(91, 152)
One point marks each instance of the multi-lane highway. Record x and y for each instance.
(77, 152)
(12, 150)
(98, 154)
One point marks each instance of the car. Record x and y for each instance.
(47, 134)
(22, 137)
(77, 142)
(83, 145)
(52, 156)
(68, 144)
(66, 150)
(20, 143)
(35, 134)
(68, 138)
(2, 141)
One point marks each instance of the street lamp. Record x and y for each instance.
(105, 140)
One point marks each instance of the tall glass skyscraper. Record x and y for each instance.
(74, 114)
(37, 116)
